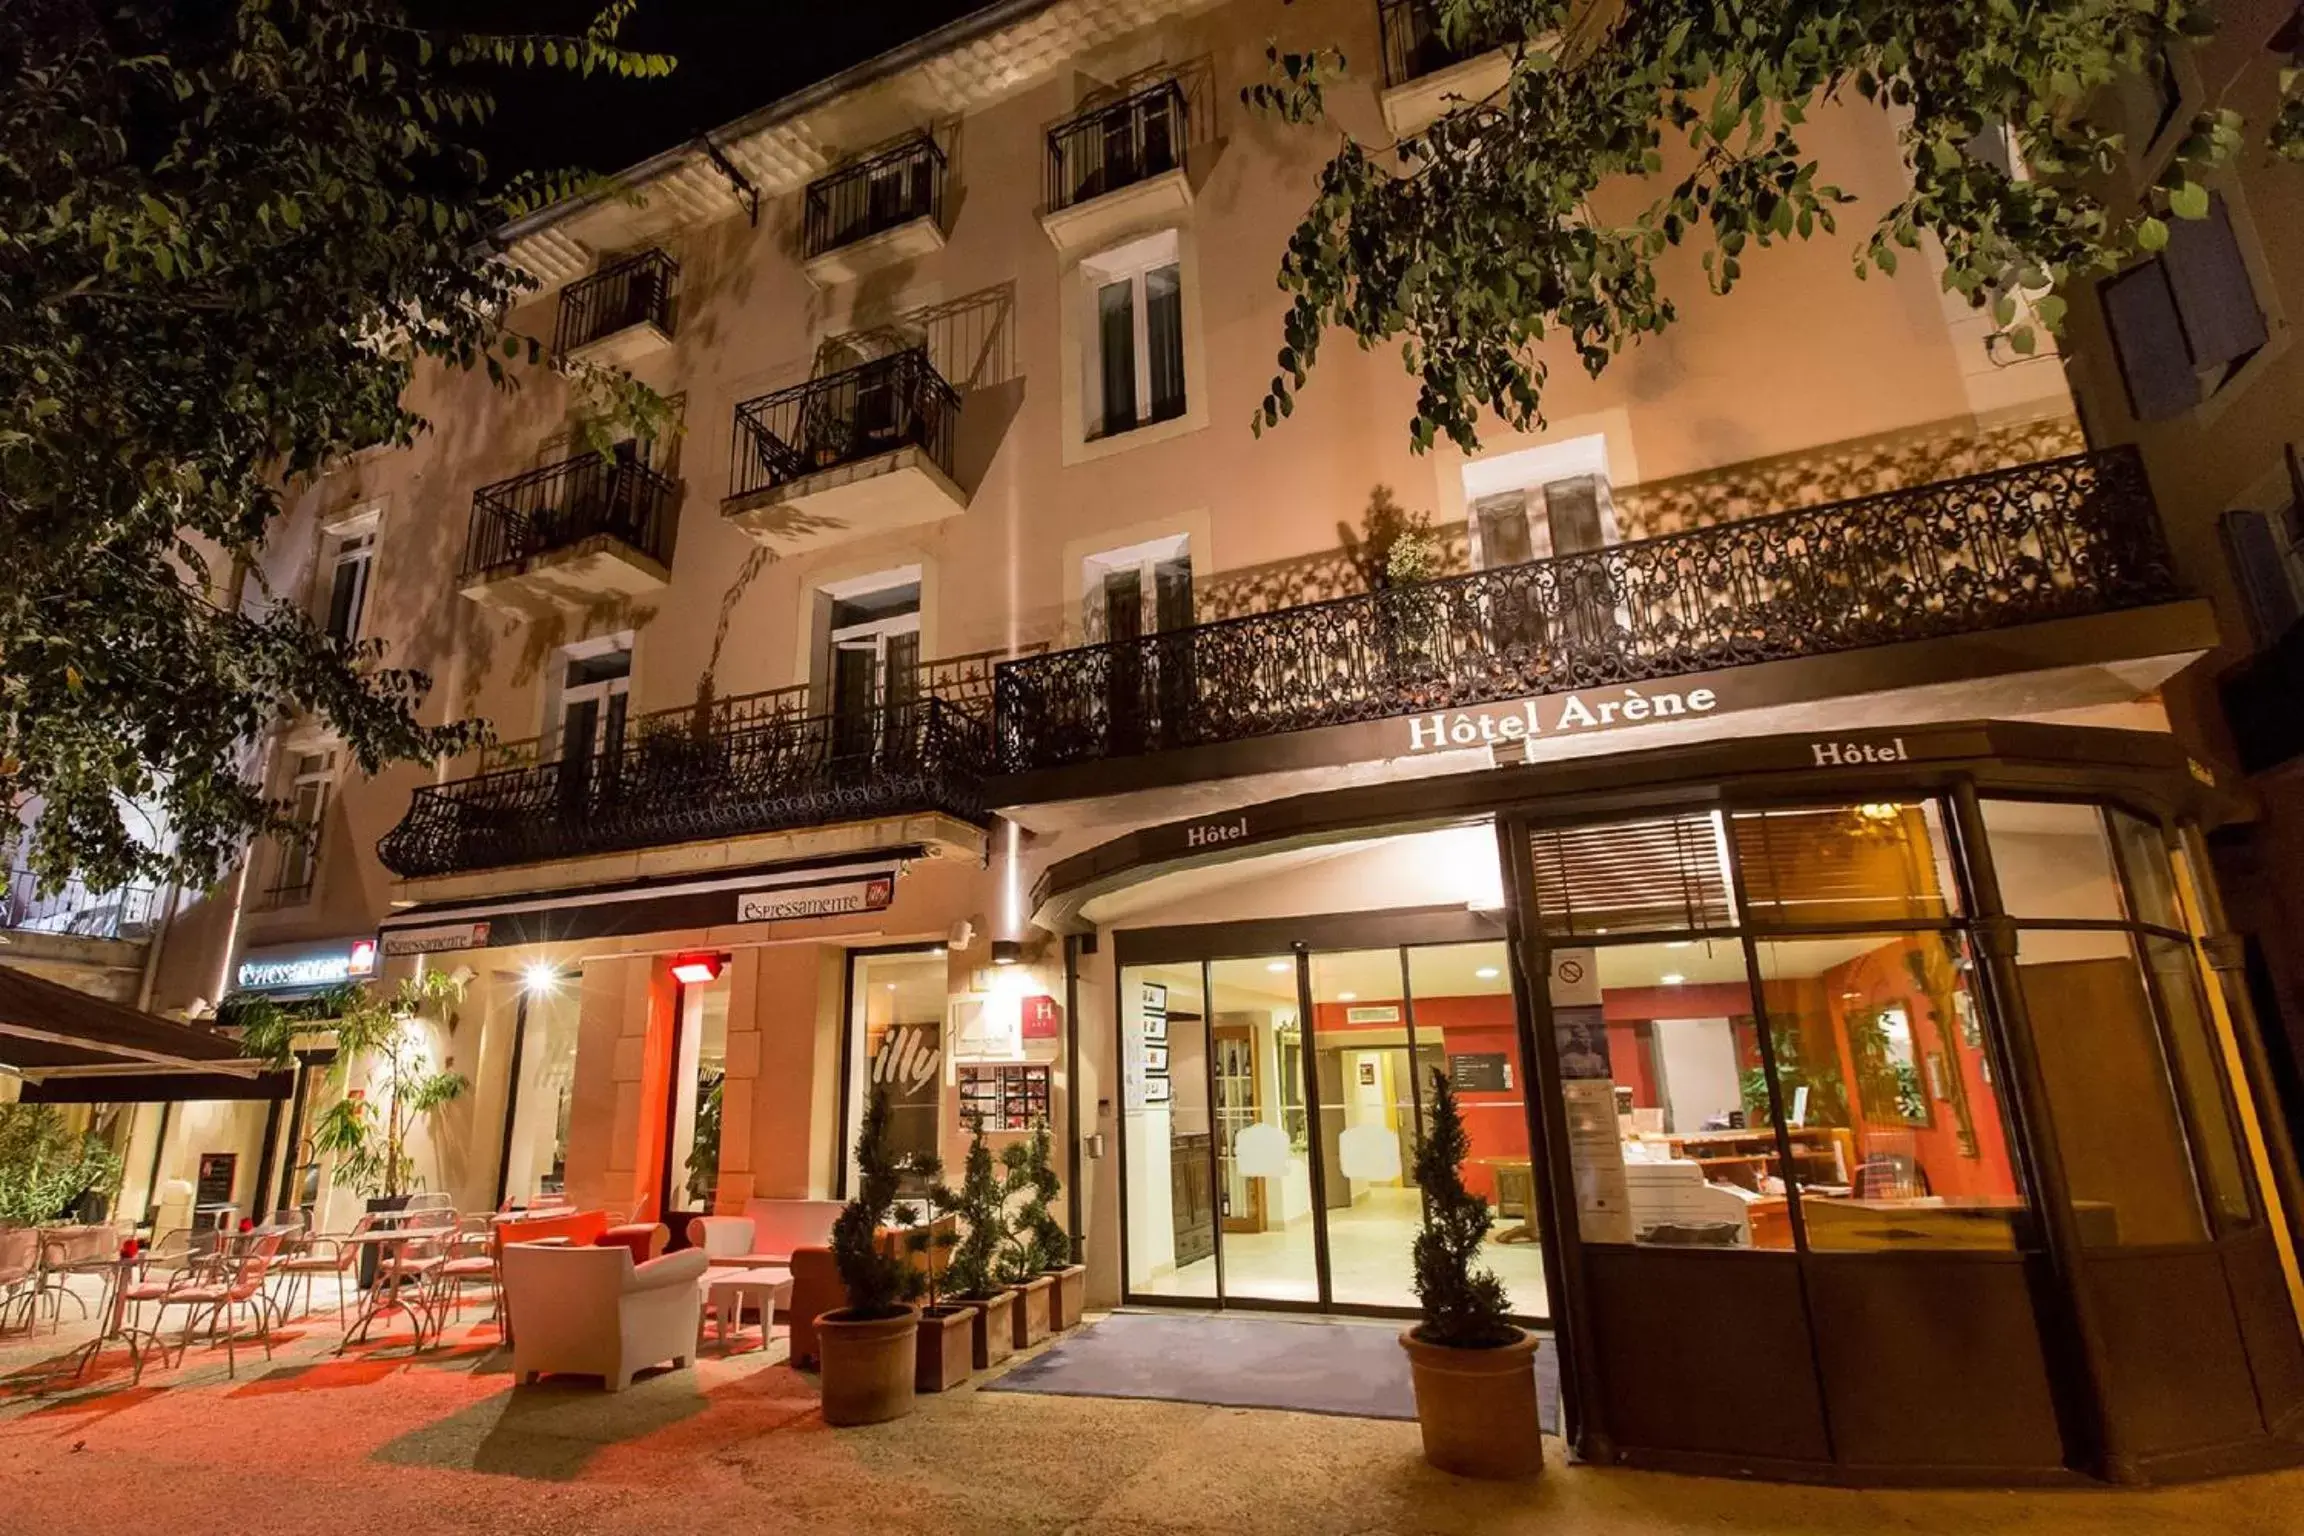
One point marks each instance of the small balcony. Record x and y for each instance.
(2069, 539)
(618, 315)
(1117, 168)
(857, 452)
(1426, 73)
(75, 910)
(876, 214)
(570, 535)
(732, 768)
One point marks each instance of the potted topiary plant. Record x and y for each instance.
(972, 1278)
(1025, 1256)
(867, 1350)
(1474, 1372)
(1034, 1169)
(945, 1344)
(46, 1168)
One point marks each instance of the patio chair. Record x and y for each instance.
(592, 1311)
(472, 1257)
(239, 1285)
(326, 1255)
(19, 1272)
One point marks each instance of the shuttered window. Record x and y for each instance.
(2182, 322)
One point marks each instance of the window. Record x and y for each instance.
(298, 859)
(1563, 517)
(2183, 322)
(872, 665)
(2266, 551)
(699, 1071)
(1136, 360)
(896, 1045)
(544, 1079)
(1145, 589)
(348, 566)
(588, 717)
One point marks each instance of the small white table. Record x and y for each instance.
(725, 1290)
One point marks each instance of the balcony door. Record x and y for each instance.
(1134, 593)
(589, 728)
(873, 666)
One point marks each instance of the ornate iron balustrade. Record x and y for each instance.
(892, 402)
(632, 291)
(860, 200)
(964, 682)
(124, 912)
(1413, 43)
(564, 504)
(772, 773)
(1110, 147)
(2059, 539)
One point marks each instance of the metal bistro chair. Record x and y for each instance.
(240, 1283)
(19, 1272)
(324, 1255)
(471, 1257)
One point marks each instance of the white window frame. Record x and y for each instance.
(1130, 264)
(351, 540)
(310, 768)
(1145, 560)
(1525, 473)
(561, 696)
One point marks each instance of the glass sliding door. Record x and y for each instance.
(1371, 1122)
(1268, 1193)
(1168, 1134)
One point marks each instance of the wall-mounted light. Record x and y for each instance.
(1671, 978)
(539, 977)
(696, 970)
(1487, 973)
(1007, 951)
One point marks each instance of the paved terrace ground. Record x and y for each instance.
(378, 1441)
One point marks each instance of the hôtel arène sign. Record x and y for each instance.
(1566, 714)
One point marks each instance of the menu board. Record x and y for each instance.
(1004, 1098)
(1481, 1072)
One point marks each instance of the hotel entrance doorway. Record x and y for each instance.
(1274, 1106)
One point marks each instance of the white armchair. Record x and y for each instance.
(592, 1311)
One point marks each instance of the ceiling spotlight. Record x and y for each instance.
(696, 970)
(1007, 952)
(1347, 997)
(1487, 973)
(1678, 943)
(1672, 978)
(539, 977)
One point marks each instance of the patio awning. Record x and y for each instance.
(49, 1030)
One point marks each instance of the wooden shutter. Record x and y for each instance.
(2148, 339)
(1632, 876)
(2214, 297)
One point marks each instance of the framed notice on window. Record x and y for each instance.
(1005, 1098)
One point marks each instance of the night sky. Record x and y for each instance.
(734, 57)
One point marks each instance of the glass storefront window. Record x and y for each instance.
(1666, 1098)
(697, 1078)
(1872, 863)
(1168, 1135)
(896, 1003)
(2126, 1167)
(2054, 861)
(1667, 874)
(2176, 973)
(536, 1150)
(2144, 859)
(1890, 1099)
(1370, 1063)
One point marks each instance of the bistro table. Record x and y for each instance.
(725, 1289)
(386, 1295)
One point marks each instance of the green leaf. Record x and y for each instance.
(2189, 201)
(2151, 234)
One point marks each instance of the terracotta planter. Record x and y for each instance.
(867, 1366)
(947, 1348)
(1031, 1310)
(991, 1328)
(1477, 1406)
(1069, 1295)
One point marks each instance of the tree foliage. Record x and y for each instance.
(45, 1166)
(1033, 1241)
(979, 1207)
(230, 231)
(880, 1278)
(1539, 214)
(366, 1135)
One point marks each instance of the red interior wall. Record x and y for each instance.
(1497, 1123)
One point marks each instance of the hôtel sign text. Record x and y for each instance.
(1566, 714)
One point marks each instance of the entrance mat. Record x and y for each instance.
(1353, 1369)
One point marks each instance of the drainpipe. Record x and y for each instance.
(1072, 1091)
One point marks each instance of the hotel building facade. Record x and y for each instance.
(1765, 807)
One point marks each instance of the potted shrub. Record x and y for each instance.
(946, 1346)
(46, 1169)
(1474, 1373)
(972, 1279)
(1024, 1256)
(1032, 1171)
(868, 1350)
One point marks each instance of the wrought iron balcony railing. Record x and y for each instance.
(1110, 147)
(124, 912)
(564, 504)
(1414, 45)
(892, 402)
(636, 289)
(2053, 540)
(860, 200)
(739, 772)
